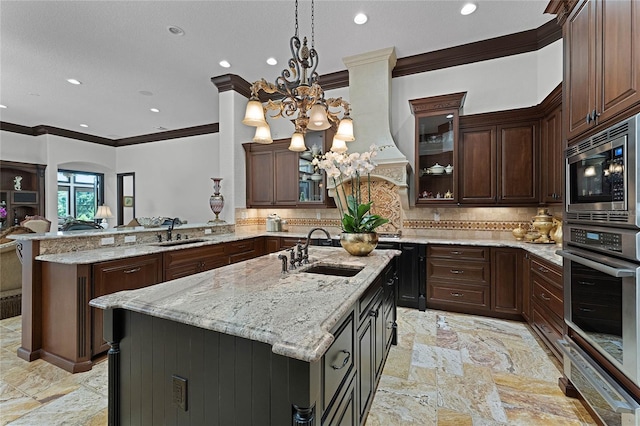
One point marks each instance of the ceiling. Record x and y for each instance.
(128, 61)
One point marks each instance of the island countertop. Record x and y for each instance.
(292, 312)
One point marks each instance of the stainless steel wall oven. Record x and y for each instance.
(601, 272)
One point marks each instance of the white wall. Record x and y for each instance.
(173, 177)
(23, 148)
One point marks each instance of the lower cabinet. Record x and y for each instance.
(547, 302)
(411, 274)
(506, 273)
(181, 263)
(117, 275)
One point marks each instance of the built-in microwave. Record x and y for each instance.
(602, 176)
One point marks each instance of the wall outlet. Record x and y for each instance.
(436, 216)
(180, 391)
(107, 241)
(207, 231)
(130, 239)
(318, 216)
(244, 215)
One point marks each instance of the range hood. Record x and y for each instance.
(369, 96)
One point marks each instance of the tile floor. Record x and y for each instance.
(448, 369)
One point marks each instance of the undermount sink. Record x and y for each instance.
(336, 270)
(179, 242)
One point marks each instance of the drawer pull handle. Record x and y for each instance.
(543, 296)
(131, 271)
(345, 362)
(586, 310)
(543, 270)
(391, 282)
(456, 271)
(456, 294)
(373, 313)
(457, 252)
(586, 283)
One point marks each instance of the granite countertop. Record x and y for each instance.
(292, 312)
(545, 251)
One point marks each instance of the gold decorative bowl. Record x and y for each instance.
(359, 244)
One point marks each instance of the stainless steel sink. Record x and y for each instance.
(336, 270)
(179, 242)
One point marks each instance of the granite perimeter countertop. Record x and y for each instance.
(545, 251)
(293, 312)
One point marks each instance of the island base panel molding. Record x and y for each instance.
(229, 380)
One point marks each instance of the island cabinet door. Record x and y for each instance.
(126, 274)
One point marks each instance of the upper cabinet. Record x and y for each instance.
(601, 62)
(21, 190)
(551, 149)
(436, 136)
(278, 177)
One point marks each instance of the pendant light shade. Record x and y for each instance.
(345, 130)
(338, 146)
(254, 114)
(297, 142)
(263, 134)
(318, 118)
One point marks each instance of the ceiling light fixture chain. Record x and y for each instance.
(303, 100)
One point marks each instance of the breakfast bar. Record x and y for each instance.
(249, 344)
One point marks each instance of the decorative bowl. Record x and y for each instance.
(436, 169)
(150, 222)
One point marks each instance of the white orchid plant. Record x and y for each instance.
(342, 166)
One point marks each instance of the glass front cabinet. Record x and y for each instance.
(436, 142)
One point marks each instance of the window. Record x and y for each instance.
(79, 194)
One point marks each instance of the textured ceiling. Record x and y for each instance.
(118, 49)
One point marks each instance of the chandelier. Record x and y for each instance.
(302, 99)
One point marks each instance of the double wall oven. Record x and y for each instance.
(601, 254)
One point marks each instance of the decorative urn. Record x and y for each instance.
(543, 222)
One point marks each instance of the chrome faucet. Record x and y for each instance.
(171, 226)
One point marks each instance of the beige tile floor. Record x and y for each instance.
(448, 369)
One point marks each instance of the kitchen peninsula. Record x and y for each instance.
(249, 344)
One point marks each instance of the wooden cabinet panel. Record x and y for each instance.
(453, 271)
(184, 262)
(459, 252)
(285, 179)
(526, 287)
(579, 62)
(339, 361)
(117, 275)
(506, 294)
(551, 157)
(260, 179)
(602, 63)
(517, 155)
(475, 297)
(477, 165)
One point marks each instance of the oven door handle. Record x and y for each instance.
(609, 270)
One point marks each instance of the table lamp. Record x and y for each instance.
(104, 213)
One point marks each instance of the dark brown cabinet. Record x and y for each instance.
(29, 200)
(551, 157)
(272, 175)
(506, 270)
(498, 164)
(547, 302)
(181, 263)
(117, 275)
(601, 63)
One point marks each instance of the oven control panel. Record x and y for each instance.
(607, 241)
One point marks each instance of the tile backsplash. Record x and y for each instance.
(464, 222)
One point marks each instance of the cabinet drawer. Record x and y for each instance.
(240, 246)
(458, 252)
(338, 361)
(235, 258)
(460, 294)
(550, 272)
(548, 296)
(366, 301)
(478, 273)
(548, 326)
(188, 256)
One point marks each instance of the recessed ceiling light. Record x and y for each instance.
(154, 110)
(161, 128)
(224, 64)
(74, 81)
(3, 106)
(145, 93)
(177, 31)
(272, 61)
(468, 9)
(360, 18)
(84, 125)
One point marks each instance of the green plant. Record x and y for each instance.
(342, 166)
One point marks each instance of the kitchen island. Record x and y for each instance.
(247, 344)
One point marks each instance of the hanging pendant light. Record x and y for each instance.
(338, 146)
(301, 97)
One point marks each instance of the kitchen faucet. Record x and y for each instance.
(305, 248)
(171, 226)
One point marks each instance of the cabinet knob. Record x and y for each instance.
(373, 313)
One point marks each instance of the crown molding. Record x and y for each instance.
(204, 129)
